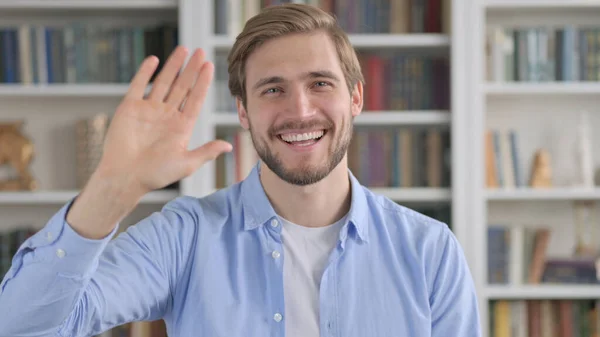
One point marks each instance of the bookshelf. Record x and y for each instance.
(526, 84)
(225, 119)
(51, 110)
(65, 90)
(88, 4)
(543, 292)
(513, 5)
(62, 197)
(411, 41)
(542, 89)
(377, 41)
(51, 107)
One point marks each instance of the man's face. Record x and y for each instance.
(299, 111)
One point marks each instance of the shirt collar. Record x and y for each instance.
(258, 209)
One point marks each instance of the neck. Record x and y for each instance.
(316, 205)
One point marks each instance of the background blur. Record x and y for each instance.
(479, 113)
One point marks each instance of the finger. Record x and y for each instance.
(185, 80)
(207, 152)
(142, 77)
(196, 97)
(163, 81)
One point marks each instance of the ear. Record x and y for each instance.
(242, 113)
(357, 99)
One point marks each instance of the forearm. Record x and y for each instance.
(104, 202)
(47, 278)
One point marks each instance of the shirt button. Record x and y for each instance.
(274, 223)
(60, 253)
(277, 317)
(275, 254)
(49, 236)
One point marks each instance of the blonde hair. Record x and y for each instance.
(280, 20)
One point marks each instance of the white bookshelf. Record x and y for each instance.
(537, 194)
(455, 119)
(46, 198)
(417, 194)
(88, 4)
(527, 89)
(512, 5)
(541, 112)
(543, 115)
(51, 110)
(65, 90)
(371, 41)
(404, 118)
(366, 118)
(544, 291)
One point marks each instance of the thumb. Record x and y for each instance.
(209, 151)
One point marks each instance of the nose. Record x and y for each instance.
(300, 104)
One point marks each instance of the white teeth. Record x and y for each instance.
(298, 137)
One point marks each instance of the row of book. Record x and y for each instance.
(137, 329)
(399, 157)
(401, 81)
(79, 52)
(354, 16)
(544, 318)
(542, 54)
(393, 81)
(10, 241)
(519, 255)
(441, 211)
(502, 159)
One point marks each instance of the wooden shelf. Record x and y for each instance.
(60, 197)
(556, 193)
(372, 41)
(543, 88)
(543, 291)
(87, 4)
(366, 118)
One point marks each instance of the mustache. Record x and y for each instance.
(300, 125)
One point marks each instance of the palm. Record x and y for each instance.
(148, 137)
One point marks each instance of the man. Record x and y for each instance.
(299, 248)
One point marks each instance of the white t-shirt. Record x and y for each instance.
(306, 251)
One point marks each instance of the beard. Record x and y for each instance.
(306, 173)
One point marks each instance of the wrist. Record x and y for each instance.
(122, 187)
(104, 202)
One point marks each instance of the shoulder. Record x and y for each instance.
(210, 210)
(417, 238)
(185, 218)
(405, 223)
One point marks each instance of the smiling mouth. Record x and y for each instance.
(302, 139)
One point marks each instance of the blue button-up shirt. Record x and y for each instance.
(205, 266)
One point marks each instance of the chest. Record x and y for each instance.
(243, 292)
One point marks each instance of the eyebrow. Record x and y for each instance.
(311, 74)
(267, 80)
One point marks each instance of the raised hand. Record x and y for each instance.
(147, 141)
